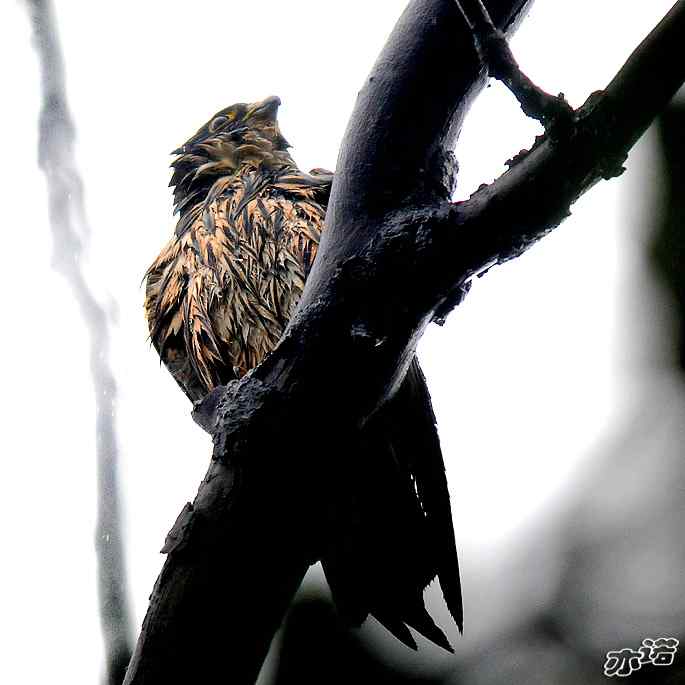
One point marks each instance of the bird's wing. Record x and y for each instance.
(182, 286)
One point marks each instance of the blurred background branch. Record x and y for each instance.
(70, 231)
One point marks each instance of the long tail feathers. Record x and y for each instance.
(401, 534)
(398, 628)
(420, 620)
(419, 437)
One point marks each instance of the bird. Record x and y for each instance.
(218, 298)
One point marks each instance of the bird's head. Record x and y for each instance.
(239, 135)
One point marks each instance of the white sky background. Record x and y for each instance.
(524, 376)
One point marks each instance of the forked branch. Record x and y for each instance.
(504, 218)
(493, 48)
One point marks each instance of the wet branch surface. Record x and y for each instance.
(70, 230)
(395, 252)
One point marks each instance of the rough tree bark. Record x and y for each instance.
(394, 252)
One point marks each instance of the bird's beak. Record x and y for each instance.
(267, 109)
(186, 147)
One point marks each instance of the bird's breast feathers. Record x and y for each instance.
(220, 294)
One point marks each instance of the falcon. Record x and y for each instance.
(217, 301)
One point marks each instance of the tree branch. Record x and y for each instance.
(70, 228)
(393, 252)
(502, 220)
(493, 49)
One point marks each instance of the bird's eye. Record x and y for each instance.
(216, 123)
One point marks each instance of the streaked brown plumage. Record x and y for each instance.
(218, 299)
(220, 294)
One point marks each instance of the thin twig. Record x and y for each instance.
(494, 51)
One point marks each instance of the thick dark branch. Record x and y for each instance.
(399, 141)
(236, 558)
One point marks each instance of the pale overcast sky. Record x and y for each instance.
(509, 373)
